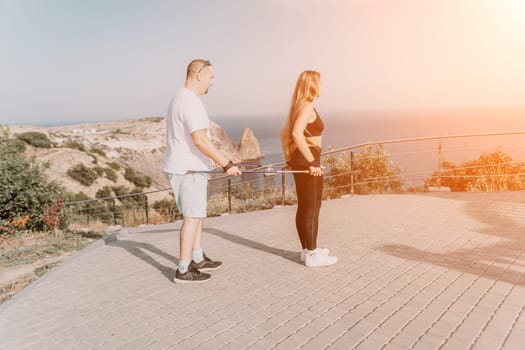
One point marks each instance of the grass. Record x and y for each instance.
(31, 248)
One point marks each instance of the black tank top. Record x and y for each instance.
(316, 127)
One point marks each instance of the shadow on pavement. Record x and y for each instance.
(504, 261)
(294, 256)
(138, 249)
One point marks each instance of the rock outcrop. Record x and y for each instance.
(249, 146)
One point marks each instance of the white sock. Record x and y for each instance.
(197, 255)
(183, 266)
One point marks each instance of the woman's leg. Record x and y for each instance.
(317, 199)
(299, 215)
(308, 192)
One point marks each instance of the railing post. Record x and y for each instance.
(440, 160)
(146, 208)
(283, 179)
(229, 195)
(114, 211)
(351, 172)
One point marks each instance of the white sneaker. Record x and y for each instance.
(315, 259)
(322, 251)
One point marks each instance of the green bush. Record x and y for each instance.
(488, 173)
(137, 178)
(138, 197)
(104, 192)
(111, 174)
(99, 170)
(80, 196)
(120, 190)
(74, 144)
(13, 145)
(114, 165)
(25, 191)
(98, 149)
(106, 172)
(167, 209)
(82, 174)
(35, 139)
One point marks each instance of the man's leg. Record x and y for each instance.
(185, 273)
(199, 259)
(188, 235)
(197, 241)
(183, 188)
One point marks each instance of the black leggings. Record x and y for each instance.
(309, 197)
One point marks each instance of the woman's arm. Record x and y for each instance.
(306, 114)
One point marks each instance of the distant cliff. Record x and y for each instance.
(248, 148)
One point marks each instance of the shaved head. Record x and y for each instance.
(195, 67)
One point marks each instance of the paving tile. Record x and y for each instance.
(409, 278)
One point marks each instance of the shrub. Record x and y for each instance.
(167, 209)
(82, 174)
(13, 145)
(54, 216)
(137, 178)
(98, 149)
(99, 170)
(489, 172)
(120, 190)
(114, 165)
(372, 169)
(74, 210)
(74, 144)
(138, 197)
(77, 197)
(106, 172)
(94, 158)
(25, 192)
(111, 174)
(35, 138)
(104, 192)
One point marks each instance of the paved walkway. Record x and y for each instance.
(421, 271)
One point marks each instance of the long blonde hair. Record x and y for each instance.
(306, 90)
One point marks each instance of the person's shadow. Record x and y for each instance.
(139, 249)
(494, 261)
(293, 256)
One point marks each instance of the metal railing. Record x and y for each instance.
(258, 191)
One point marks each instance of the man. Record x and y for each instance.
(188, 147)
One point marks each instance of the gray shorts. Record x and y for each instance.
(191, 194)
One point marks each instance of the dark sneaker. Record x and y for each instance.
(191, 276)
(207, 264)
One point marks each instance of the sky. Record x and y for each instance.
(64, 61)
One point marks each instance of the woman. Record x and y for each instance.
(301, 141)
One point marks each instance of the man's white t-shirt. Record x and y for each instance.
(186, 114)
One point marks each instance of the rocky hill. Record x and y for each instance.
(138, 144)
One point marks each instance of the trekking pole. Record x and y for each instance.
(268, 172)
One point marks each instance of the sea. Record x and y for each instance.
(398, 131)
(417, 159)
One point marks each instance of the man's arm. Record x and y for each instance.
(204, 144)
